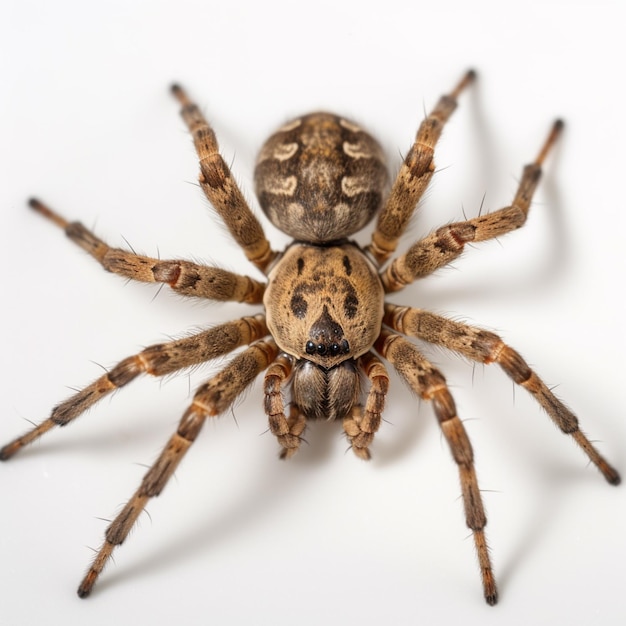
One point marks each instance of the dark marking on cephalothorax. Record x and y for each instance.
(298, 305)
(300, 265)
(351, 304)
(347, 265)
(325, 325)
(327, 337)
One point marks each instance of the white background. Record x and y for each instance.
(87, 124)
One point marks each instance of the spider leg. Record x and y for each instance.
(430, 384)
(487, 347)
(211, 399)
(361, 425)
(158, 360)
(220, 187)
(184, 277)
(448, 242)
(288, 430)
(414, 176)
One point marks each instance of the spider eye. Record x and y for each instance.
(333, 349)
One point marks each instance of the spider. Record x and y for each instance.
(326, 328)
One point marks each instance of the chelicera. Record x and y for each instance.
(326, 329)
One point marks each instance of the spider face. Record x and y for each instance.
(324, 303)
(326, 328)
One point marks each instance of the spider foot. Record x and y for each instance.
(362, 452)
(87, 583)
(13, 447)
(291, 441)
(359, 432)
(490, 589)
(9, 450)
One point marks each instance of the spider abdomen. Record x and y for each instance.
(320, 178)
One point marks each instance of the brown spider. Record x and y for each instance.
(319, 178)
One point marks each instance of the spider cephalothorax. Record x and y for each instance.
(324, 303)
(324, 308)
(326, 326)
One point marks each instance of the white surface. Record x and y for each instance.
(238, 537)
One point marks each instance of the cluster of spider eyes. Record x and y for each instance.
(333, 349)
